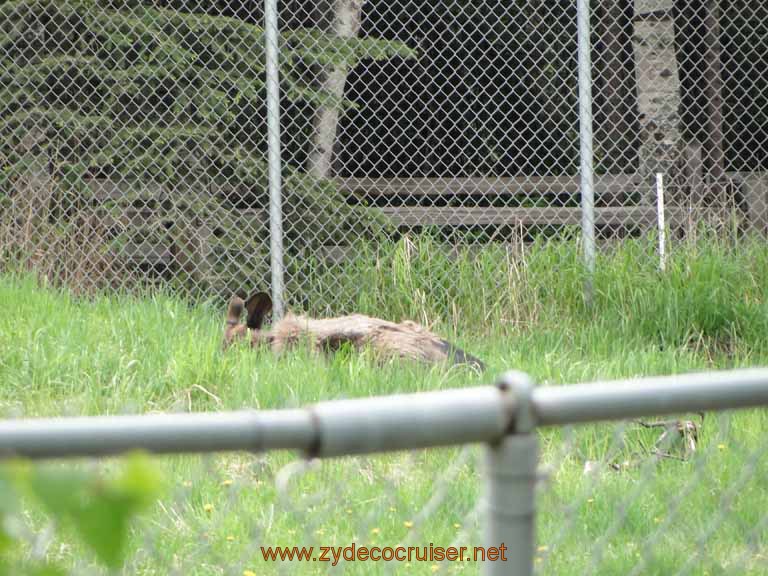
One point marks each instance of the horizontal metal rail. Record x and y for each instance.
(327, 429)
(620, 399)
(407, 421)
(159, 433)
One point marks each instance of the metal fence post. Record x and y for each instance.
(271, 39)
(511, 468)
(586, 168)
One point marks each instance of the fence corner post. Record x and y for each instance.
(511, 472)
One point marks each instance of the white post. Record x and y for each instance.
(662, 228)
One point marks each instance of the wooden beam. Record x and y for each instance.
(485, 186)
(138, 219)
(632, 216)
(339, 254)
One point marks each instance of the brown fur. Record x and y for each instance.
(388, 339)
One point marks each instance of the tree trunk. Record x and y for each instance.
(341, 18)
(658, 87)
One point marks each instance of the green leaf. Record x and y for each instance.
(103, 525)
(62, 492)
(9, 498)
(43, 570)
(100, 510)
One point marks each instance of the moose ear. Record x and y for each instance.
(258, 306)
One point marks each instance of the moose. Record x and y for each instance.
(406, 340)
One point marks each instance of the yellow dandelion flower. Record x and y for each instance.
(208, 508)
(226, 482)
(542, 548)
(590, 500)
(349, 510)
(376, 531)
(230, 538)
(721, 447)
(249, 573)
(538, 559)
(456, 525)
(408, 524)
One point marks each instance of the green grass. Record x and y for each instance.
(113, 354)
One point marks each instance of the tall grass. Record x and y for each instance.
(712, 289)
(109, 353)
(525, 311)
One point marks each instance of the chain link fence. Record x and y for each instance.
(611, 499)
(678, 495)
(424, 146)
(135, 144)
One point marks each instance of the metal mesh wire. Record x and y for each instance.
(134, 151)
(678, 496)
(227, 509)
(134, 134)
(660, 497)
